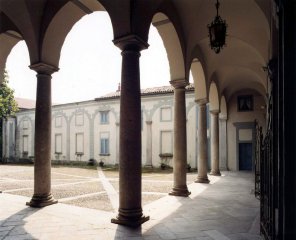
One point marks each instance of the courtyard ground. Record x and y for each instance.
(225, 209)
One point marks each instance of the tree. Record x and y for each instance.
(8, 105)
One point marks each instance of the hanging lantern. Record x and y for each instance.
(217, 31)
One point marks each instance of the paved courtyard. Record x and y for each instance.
(226, 209)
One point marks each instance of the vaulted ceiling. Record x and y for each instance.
(182, 24)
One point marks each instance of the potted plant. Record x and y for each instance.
(101, 163)
(165, 159)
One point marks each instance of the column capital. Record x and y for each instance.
(131, 42)
(214, 112)
(222, 119)
(202, 101)
(179, 83)
(44, 68)
(148, 122)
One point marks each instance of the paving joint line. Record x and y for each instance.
(111, 192)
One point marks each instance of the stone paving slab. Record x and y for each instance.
(225, 209)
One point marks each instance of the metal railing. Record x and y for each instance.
(258, 146)
(267, 188)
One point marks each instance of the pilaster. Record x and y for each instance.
(149, 145)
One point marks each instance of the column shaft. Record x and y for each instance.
(215, 144)
(130, 208)
(202, 176)
(149, 144)
(223, 144)
(180, 141)
(42, 165)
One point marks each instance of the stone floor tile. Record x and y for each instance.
(3, 234)
(7, 228)
(215, 211)
(216, 235)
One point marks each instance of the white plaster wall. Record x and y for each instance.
(109, 128)
(151, 107)
(158, 126)
(191, 131)
(236, 117)
(59, 130)
(29, 116)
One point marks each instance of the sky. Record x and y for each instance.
(90, 64)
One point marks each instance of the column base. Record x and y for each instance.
(202, 180)
(39, 201)
(215, 173)
(130, 218)
(180, 192)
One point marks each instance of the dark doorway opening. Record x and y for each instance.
(245, 156)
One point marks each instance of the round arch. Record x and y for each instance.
(214, 97)
(199, 80)
(60, 26)
(172, 45)
(7, 41)
(223, 108)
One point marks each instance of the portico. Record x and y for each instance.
(252, 78)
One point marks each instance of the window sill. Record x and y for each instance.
(104, 154)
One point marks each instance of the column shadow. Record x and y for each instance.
(225, 210)
(13, 227)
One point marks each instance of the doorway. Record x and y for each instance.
(245, 156)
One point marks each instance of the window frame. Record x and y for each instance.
(105, 152)
(104, 120)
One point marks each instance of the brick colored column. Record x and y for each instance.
(42, 165)
(180, 140)
(130, 211)
(202, 175)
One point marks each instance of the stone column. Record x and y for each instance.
(180, 140)
(149, 145)
(130, 211)
(42, 165)
(202, 175)
(215, 144)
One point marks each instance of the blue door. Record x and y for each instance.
(245, 156)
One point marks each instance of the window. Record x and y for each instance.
(104, 144)
(245, 103)
(79, 119)
(58, 143)
(79, 143)
(25, 124)
(58, 121)
(25, 146)
(104, 117)
(25, 143)
(166, 142)
(166, 114)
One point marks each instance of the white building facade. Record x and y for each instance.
(90, 130)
